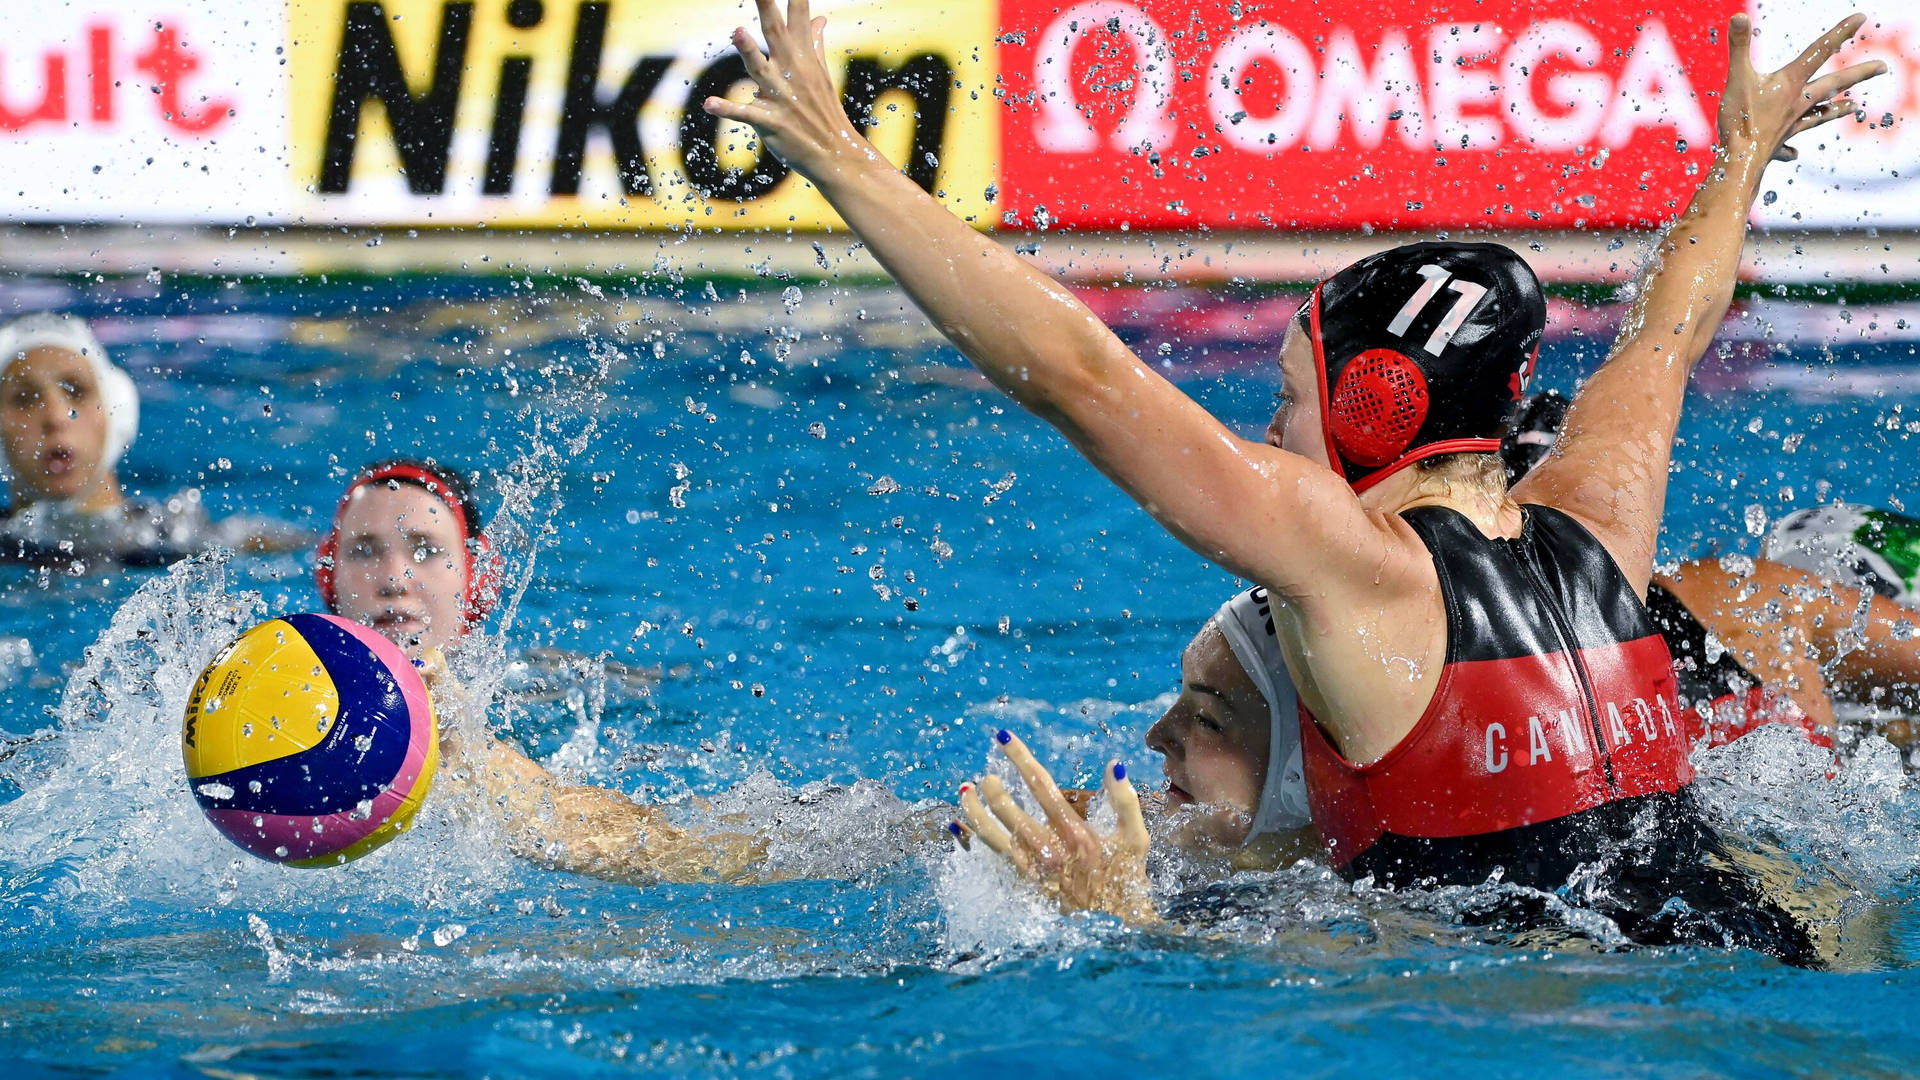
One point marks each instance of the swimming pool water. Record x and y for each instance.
(853, 560)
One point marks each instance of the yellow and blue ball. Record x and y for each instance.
(310, 740)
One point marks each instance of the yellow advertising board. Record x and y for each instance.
(565, 113)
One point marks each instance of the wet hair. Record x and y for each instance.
(1486, 470)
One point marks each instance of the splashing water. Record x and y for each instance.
(789, 695)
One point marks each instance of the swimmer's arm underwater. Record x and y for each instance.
(581, 828)
(1255, 509)
(1609, 469)
(601, 833)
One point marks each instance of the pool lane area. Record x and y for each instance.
(828, 561)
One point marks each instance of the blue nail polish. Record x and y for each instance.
(953, 827)
(1003, 736)
(419, 663)
(1119, 770)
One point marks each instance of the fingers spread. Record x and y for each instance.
(772, 26)
(747, 113)
(797, 14)
(1825, 111)
(989, 829)
(1740, 42)
(1039, 781)
(1131, 836)
(757, 63)
(1833, 83)
(1035, 836)
(1822, 50)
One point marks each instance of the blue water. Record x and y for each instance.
(854, 561)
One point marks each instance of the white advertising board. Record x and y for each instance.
(226, 112)
(144, 111)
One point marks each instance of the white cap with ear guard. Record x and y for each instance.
(1246, 621)
(118, 396)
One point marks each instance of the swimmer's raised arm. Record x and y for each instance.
(1610, 467)
(1237, 502)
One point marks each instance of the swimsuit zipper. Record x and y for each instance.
(1565, 633)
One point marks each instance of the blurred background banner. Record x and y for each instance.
(144, 111)
(1396, 114)
(563, 113)
(1859, 174)
(1102, 115)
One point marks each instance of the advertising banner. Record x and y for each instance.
(1392, 115)
(564, 112)
(143, 111)
(1255, 115)
(1863, 172)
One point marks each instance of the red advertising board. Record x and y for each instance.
(1392, 114)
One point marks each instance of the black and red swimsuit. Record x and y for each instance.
(1554, 741)
(1720, 700)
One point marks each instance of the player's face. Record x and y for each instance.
(1295, 427)
(1215, 741)
(402, 565)
(53, 422)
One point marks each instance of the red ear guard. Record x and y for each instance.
(1377, 407)
(484, 567)
(1420, 351)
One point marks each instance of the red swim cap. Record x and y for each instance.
(483, 565)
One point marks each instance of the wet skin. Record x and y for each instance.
(1214, 743)
(402, 565)
(54, 425)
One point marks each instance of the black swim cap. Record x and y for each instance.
(1532, 432)
(1422, 350)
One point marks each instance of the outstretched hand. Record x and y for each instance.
(1065, 857)
(1760, 112)
(794, 106)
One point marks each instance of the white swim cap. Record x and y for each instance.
(1246, 621)
(118, 397)
(1861, 546)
